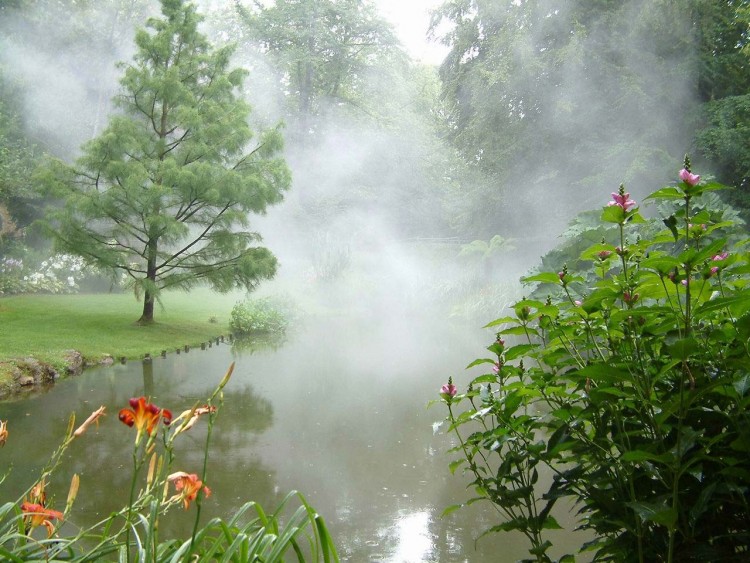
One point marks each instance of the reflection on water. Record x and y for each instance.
(338, 413)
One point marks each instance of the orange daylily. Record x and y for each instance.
(144, 416)
(3, 432)
(37, 515)
(187, 485)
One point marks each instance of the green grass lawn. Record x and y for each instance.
(45, 326)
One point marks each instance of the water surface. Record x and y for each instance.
(338, 412)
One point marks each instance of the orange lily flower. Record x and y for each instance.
(36, 515)
(144, 416)
(3, 432)
(187, 485)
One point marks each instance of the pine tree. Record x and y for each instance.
(165, 192)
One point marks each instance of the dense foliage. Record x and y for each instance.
(630, 386)
(550, 98)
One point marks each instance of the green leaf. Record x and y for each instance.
(501, 321)
(551, 524)
(671, 224)
(519, 330)
(481, 361)
(452, 508)
(669, 192)
(641, 455)
(541, 549)
(742, 385)
(613, 214)
(656, 513)
(519, 351)
(455, 465)
(545, 277)
(684, 348)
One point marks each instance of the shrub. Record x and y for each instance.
(57, 274)
(629, 382)
(264, 315)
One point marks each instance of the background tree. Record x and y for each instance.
(43, 42)
(160, 193)
(723, 135)
(19, 202)
(323, 48)
(549, 99)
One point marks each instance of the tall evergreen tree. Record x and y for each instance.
(162, 193)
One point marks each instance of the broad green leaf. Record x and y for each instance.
(551, 524)
(455, 465)
(545, 277)
(613, 214)
(519, 330)
(452, 508)
(657, 513)
(641, 455)
(519, 351)
(684, 348)
(480, 361)
(500, 321)
(742, 385)
(669, 192)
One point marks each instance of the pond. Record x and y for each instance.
(338, 412)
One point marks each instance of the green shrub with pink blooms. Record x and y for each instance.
(629, 385)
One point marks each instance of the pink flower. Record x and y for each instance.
(604, 254)
(448, 389)
(721, 256)
(561, 275)
(578, 302)
(496, 367)
(684, 282)
(623, 200)
(630, 298)
(714, 270)
(689, 178)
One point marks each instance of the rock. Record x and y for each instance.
(74, 362)
(25, 381)
(40, 372)
(107, 361)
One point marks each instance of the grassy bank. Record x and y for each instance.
(45, 326)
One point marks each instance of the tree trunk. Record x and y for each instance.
(149, 296)
(147, 317)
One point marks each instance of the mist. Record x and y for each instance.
(379, 207)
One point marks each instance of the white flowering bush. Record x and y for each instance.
(58, 274)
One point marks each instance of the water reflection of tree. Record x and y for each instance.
(250, 344)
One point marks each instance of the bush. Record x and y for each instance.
(265, 315)
(630, 383)
(58, 274)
